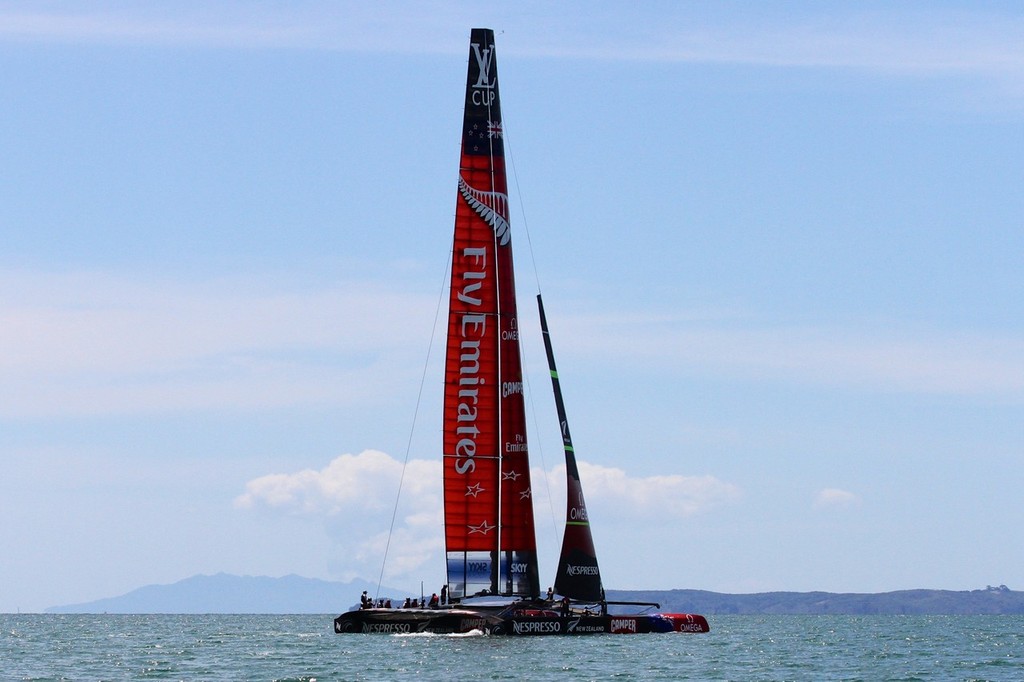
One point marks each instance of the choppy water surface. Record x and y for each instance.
(219, 647)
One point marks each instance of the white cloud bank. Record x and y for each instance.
(354, 485)
(355, 496)
(617, 495)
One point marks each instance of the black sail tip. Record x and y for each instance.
(482, 128)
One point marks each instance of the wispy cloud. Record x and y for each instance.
(108, 28)
(98, 343)
(907, 40)
(835, 498)
(94, 343)
(897, 41)
(919, 360)
(354, 496)
(351, 26)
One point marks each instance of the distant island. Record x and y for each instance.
(223, 593)
(988, 601)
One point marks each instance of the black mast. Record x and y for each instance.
(578, 576)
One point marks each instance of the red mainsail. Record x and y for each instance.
(489, 530)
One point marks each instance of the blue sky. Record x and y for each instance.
(780, 247)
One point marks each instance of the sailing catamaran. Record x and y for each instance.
(493, 580)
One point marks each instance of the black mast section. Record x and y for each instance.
(578, 576)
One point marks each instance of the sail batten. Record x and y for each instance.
(489, 529)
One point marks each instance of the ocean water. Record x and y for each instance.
(293, 648)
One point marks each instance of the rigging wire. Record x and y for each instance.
(522, 207)
(415, 415)
(522, 347)
(496, 571)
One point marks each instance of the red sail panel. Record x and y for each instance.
(471, 410)
(518, 539)
(485, 455)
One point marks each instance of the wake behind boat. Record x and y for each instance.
(490, 543)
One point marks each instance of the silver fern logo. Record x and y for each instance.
(491, 206)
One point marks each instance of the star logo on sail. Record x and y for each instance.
(525, 495)
(484, 528)
(474, 490)
(510, 476)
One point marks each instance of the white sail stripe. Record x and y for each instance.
(491, 206)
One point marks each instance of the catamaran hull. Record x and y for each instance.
(618, 625)
(410, 621)
(456, 621)
(658, 622)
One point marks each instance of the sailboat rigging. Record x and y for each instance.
(492, 571)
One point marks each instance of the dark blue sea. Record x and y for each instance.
(247, 647)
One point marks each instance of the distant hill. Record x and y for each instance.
(991, 600)
(223, 593)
